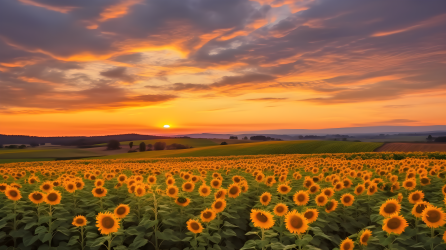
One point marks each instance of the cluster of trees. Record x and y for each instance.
(114, 144)
(236, 137)
(437, 139)
(13, 146)
(263, 138)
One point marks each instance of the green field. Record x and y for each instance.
(185, 141)
(25, 160)
(270, 147)
(46, 153)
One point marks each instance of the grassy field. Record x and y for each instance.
(46, 153)
(25, 160)
(185, 141)
(271, 147)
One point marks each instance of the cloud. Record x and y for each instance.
(266, 99)
(118, 73)
(387, 122)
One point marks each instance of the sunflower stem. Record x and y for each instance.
(15, 221)
(263, 237)
(155, 206)
(416, 229)
(82, 238)
(432, 236)
(50, 224)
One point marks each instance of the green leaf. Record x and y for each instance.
(147, 223)
(40, 230)
(47, 237)
(30, 225)
(252, 232)
(137, 243)
(91, 235)
(375, 217)
(64, 230)
(99, 241)
(215, 238)
(228, 215)
(30, 239)
(227, 224)
(250, 244)
(121, 247)
(132, 231)
(229, 232)
(73, 240)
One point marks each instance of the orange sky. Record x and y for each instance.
(132, 66)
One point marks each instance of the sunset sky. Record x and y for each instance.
(95, 67)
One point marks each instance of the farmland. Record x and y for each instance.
(308, 201)
(413, 147)
(185, 141)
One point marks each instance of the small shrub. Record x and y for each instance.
(224, 143)
(113, 144)
(142, 147)
(159, 145)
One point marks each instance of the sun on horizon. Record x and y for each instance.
(166, 126)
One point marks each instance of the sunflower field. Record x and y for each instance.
(330, 201)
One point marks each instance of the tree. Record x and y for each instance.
(159, 145)
(430, 138)
(344, 139)
(131, 145)
(22, 146)
(142, 147)
(440, 139)
(224, 143)
(233, 137)
(113, 144)
(245, 138)
(34, 144)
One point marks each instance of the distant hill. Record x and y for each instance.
(74, 140)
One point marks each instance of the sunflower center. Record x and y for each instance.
(52, 197)
(204, 190)
(207, 214)
(171, 190)
(151, 180)
(409, 184)
(236, 179)
(390, 208)
(347, 246)
(321, 199)
(365, 238)
(372, 189)
(182, 200)
(79, 221)
(70, 186)
(32, 181)
(121, 210)
(309, 214)
(284, 189)
(420, 208)
(188, 186)
(264, 198)
(347, 199)
(2, 187)
(13, 193)
(194, 226)
(416, 196)
(121, 178)
(99, 191)
(359, 189)
(218, 204)
(301, 197)
(424, 180)
(329, 205)
(46, 187)
(233, 190)
(393, 223)
(327, 192)
(37, 196)
(78, 185)
(108, 222)
(296, 222)
(261, 217)
(280, 209)
(215, 183)
(433, 216)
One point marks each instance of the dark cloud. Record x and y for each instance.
(118, 73)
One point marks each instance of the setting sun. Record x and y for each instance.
(166, 126)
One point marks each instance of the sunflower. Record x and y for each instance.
(99, 192)
(416, 196)
(260, 177)
(314, 188)
(395, 224)
(390, 207)
(204, 190)
(365, 236)
(409, 184)
(338, 186)
(37, 197)
(280, 209)
(182, 201)
(121, 211)
(194, 226)
(236, 179)
(418, 208)
(79, 221)
(347, 199)
(70, 187)
(433, 217)
(151, 179)
(107, 223)
(220, 194)
(53, 197)
(234, 191)
(219, 205)
(359, 189)
(443, 189)
(99, 183)
(425, 181)
(301, 198)
(33, 179)
(170, 181)
(283, 189)
(347, 183)
(265, 198)
(372, 189)
(308, 182)
(331, 206)
(46, 186)
(262, 219)
(140, 191)
(188, 186)
(172, 191)
(13, 193)
(400, 197)
(295, 222)
(329, 192)
(270, 180)
(216, 183)
(207, 215)
(321, 199)
(122, 178)
(311, 215)
(79, 184)
(3, 187)
(347, 244)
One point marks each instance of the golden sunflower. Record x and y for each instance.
(359, 189)
(188, 186)
(182, 201)
(433, 217)
(70, 187)
(172, 191)
(46, 186)
(170, 181)
(220, 194)
(296, 223)
(140, 191)
(194, 226)
(347, 244)
(3, 187)
(280, 209)
(409, 184)
(207, 215)
(219, 205)
(418, 208)
(37, 197)
(265, 198)
(151, 179)
(416, 196)
(331, 206)
(321, 199)
(262, 219)
(308, 182)
(79, 184)
(372, 189)
(347, 183)
(234, 190)
(395, 224)
(425, 181)
(301, 198)
(311, 215)
(347, 199)
(236, 179)
(99, 192)
(79, 221)
(53, 197)
(13, 193)
(99, 183)
(390, 207)
(314, 188)
(443, 189)
(365, 236)
(121, 211)
(283, 189)
(338, 186)
(122, 178)
(329, 192)
(107, 223)
(204, 190)
(216, 183)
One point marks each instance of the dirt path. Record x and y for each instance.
(413, 147)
